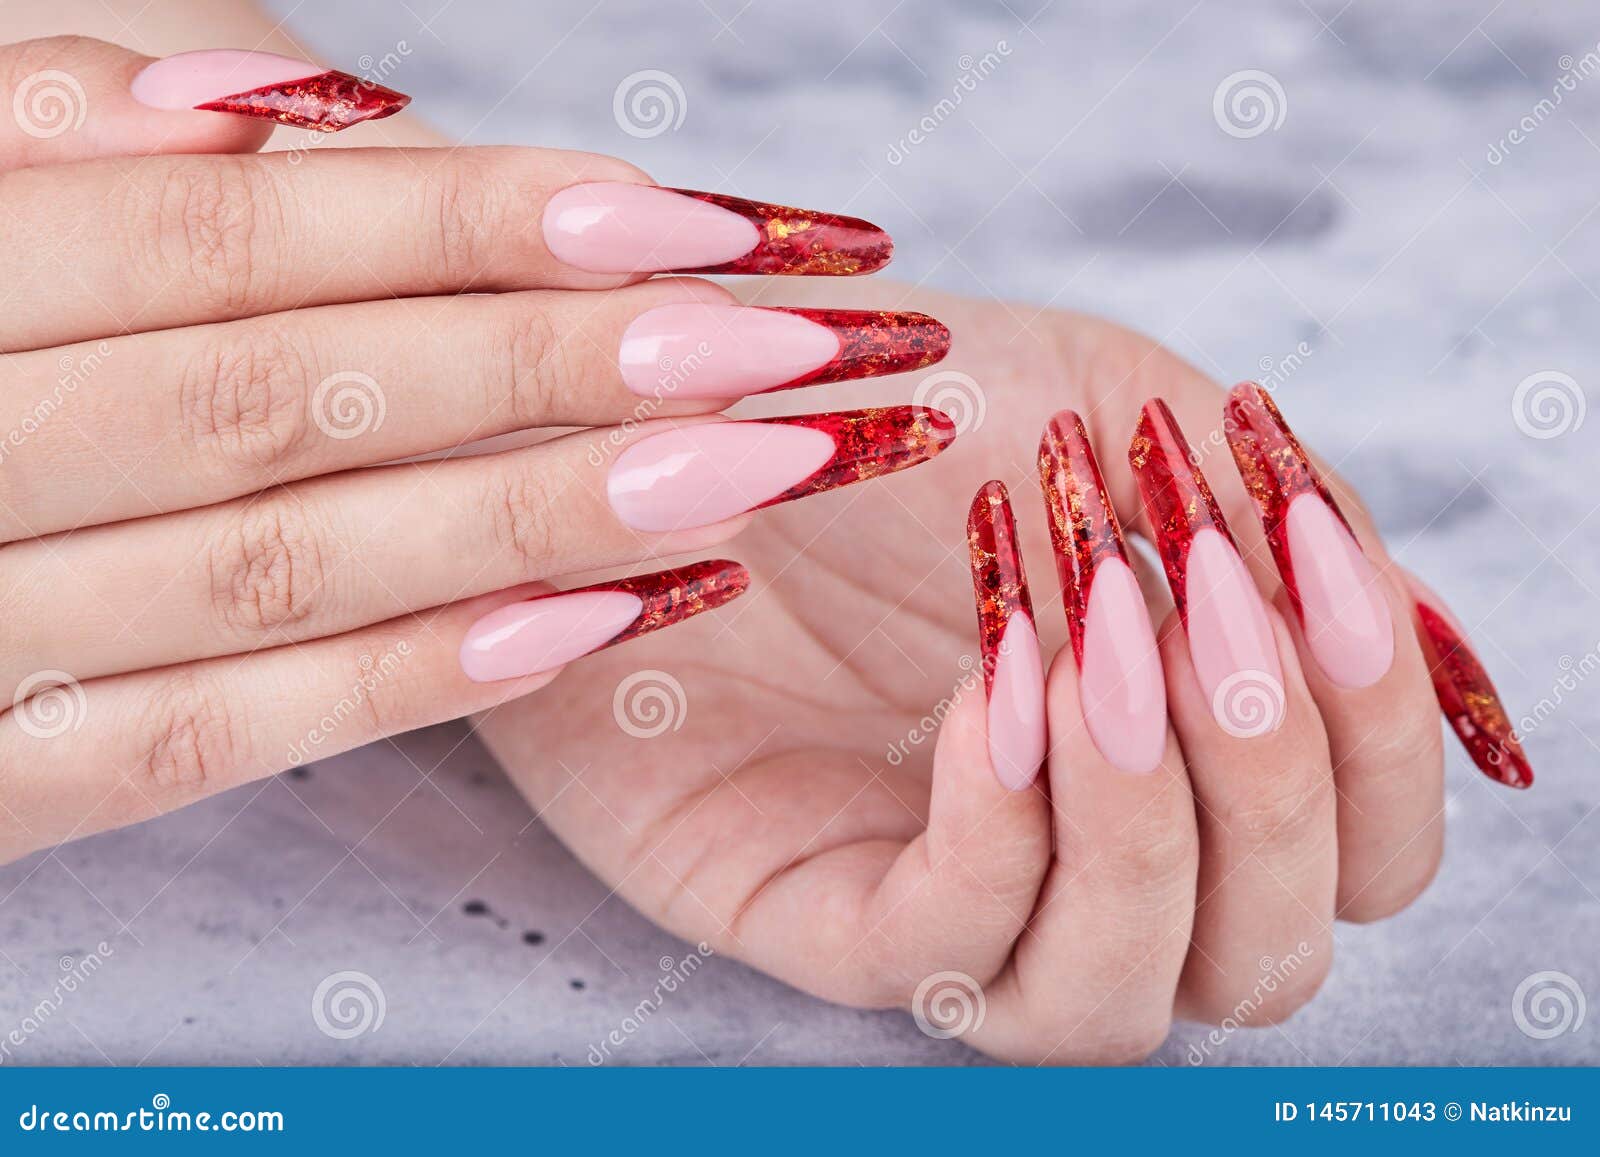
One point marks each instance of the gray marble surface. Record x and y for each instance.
(1427, 277)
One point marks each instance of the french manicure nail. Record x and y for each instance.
(1120, 683)
(266, 86)
(1231, 642)
(1466, 695)
(698, 475)
(1332, 585)
(615, 227)
(1013, 670)
(730, 351)
(543, 633)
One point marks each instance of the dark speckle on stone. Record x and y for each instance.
(1158, 211)
(577, 985)
(475, 908)
(533, 937)
(299, 773)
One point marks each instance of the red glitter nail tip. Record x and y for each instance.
(1275, 470)
(1470, 703)
(327, 102)
(801, 243)
(671, 596)
(999, 583)
(872, 344)
(868, 444)
(1083, 526)
(1177, 500)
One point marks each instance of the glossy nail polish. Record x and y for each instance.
(1333, 586)
(1231, 643)
(1120, 683)
(730, 351)
(1466, 695)
(543, 633)
(265, 86)
(615, 227)
(698, 475)
(1012, 667)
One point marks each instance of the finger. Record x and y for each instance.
(73, 99)
(76, 759)
(334, 553)
(1369, 680)
(1255, 746)
(1094, 978)
(172, 241)
(268, 400)
(934, 920)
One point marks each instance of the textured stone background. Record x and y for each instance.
(1087, 170)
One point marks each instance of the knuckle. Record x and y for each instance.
(467, 207)
(265, 567)
(1290, 814)
(243, 402)
(1129, 1043)
(534, 364)
(206, 235)
(189, 742)
(519, 515)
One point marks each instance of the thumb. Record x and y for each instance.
(69, 98)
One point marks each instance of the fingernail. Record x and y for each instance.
(729, 351)
(1466, 695)
(1120, 683)
(615, 227)
(543, 633)
(1230, 638)
(1013, 670)
(265, 86)
(699, 475)
(1334, 588)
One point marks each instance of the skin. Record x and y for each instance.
(775, 824)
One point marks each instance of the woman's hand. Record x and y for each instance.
(207, 573)
(818, 783)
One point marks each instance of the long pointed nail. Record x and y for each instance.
(615, 227)
(543, 633)
(265, 86)
(1231, 642)
(1013, 669)
(699, 475)
(1120, 684)
(1334, 588)
(730, 351)
(1466, 695)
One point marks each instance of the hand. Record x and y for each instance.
(821, 791)
(207, 573)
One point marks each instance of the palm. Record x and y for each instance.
(799, 768)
